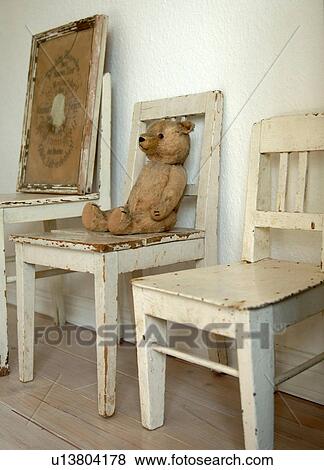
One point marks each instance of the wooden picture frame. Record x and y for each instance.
(62, 108)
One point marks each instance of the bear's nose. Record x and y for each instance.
(141, 139)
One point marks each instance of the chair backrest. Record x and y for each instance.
(280, 135)
(208, 105)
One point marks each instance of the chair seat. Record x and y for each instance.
(240, 286)
(8, 201)
(104, 242)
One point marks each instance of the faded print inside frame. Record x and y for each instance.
(63, 114)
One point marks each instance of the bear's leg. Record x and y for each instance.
(94, 219)
(166, 224)
(146, 224)
(120, 221)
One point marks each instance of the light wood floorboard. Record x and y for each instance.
(58, 410)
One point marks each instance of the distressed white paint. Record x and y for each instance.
(25, 315)
(47, 209)
(266, 293)
(106, 269)
(245, 296)
(106, 294)
(243, 286)
(212, 365)
(56, 283)
(165, 48)
(151, 374)
(256, 377)
(270, 136)
(106, 255)
(98, 25)
(4, 367)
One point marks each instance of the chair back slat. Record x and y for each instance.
(282, 135)
(282, 182)
(209, 106)
(301, 181)
(136, 158)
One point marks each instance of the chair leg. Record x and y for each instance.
(218, 352)
(58, 298)
(25, 314)
(4, 352)
(256, 375)
(151, 364)
(56, 283)
(106, 291)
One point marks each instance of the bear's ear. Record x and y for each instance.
(186, 127)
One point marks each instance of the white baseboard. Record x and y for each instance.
(43, 301)
(79, 310)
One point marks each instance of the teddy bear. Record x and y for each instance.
(155, 197)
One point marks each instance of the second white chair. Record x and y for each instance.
(247, 302)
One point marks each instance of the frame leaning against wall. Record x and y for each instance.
(62, 108)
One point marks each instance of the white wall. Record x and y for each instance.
(265, 55)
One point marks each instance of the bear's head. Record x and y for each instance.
(167, 141)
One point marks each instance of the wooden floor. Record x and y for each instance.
(58, 410)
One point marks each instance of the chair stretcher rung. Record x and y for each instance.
(195, 360)
(300, 368)
(51, 272)
(42, 274)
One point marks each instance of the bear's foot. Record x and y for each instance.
(94, 219)
(119, 221)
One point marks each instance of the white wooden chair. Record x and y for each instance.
(27, 207)
(106, 256)
(247, 301)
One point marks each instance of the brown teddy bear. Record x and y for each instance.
(155, 198)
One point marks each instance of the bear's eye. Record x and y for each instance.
(160, 136)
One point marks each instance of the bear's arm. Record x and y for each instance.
(172, 193)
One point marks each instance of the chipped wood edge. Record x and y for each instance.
(106, 300)
(106, 247)
(208, 182)
(99, 23)
(256, 241)
(4, 350)
(25, 314)
(151, 364)
(256, 380)
(91, 128)
(49, 201)
(104, 146)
